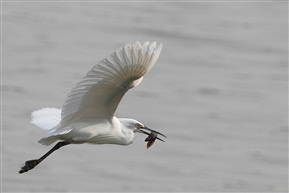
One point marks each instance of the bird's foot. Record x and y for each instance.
(29, 165)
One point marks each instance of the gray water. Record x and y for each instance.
(219, 91)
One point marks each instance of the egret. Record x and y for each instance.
(87, 115)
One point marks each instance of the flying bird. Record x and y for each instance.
(87, 115)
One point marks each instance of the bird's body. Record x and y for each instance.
(92, 130)
(87, 115)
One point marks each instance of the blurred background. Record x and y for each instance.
(219, 91)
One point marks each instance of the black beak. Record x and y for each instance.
(142, 130)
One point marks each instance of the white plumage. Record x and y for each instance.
(46, 118)
(87, 115)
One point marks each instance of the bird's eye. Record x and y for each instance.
(137, 125)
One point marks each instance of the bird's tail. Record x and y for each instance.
(49, 119)
(46, 118)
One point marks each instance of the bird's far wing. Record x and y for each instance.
(46, 118)
(100, 91)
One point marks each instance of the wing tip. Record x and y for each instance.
(46, 118)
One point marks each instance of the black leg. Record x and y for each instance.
(30, 164)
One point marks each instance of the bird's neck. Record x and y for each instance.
(125, 135)
(128, 136)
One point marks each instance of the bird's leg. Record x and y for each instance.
(30, 164)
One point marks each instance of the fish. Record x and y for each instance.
(151, 139)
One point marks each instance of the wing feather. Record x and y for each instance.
(100, 91)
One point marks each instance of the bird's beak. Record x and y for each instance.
(145, 129)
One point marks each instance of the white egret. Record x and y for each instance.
(87, 115)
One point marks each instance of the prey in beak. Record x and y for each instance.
(152, 136)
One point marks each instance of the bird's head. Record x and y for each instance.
(137, 126)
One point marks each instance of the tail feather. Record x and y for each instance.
(48, 140)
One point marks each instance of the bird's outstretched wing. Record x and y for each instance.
(100, 91)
